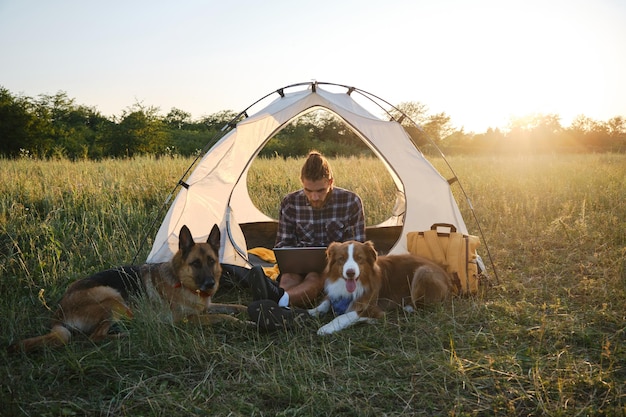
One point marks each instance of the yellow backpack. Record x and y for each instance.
(455, 252)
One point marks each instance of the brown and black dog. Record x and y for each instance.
(186, 283)
(360, 285)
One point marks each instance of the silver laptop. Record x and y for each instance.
(301, 260)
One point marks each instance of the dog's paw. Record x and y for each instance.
(321, 309)
(326, 330)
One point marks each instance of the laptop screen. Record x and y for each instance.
(301, 260)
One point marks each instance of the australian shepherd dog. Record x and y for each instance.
(361, 286)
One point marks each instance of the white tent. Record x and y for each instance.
(216, 192)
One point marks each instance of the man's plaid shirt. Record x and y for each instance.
(342, 218)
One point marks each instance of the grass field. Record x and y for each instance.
(549, 340)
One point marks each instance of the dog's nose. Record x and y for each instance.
(350, 273)
(208, 284)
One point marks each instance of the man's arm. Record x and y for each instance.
(285, 235)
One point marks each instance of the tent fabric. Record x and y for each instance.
(217, 192)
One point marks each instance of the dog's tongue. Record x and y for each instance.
(351, 285)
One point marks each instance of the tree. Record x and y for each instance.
(415, 111)
(616, 127)
(536, 133)
(177, 118)
(17, 124)
(433, 127)
(617, 133)
(217, 121)
(589, 133)
(333, 135)
(66, 129)
(490, 140)
(140, 131)
(438, 127)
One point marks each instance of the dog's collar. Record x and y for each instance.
(200, 293)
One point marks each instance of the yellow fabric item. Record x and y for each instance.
(268, 256)
(455, 252)
(264, 253)
(271, 271)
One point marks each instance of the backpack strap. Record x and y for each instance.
(434, 244)
(455, 255)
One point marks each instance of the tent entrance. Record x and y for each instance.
(274, 170)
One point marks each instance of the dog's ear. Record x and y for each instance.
(330, 250)
(185, 240)
(214, 238)
(370, 250)
(330, 257)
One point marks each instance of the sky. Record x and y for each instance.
(482, 62)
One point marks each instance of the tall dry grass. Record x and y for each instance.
(548, 341)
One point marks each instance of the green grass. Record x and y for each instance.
(550, 340)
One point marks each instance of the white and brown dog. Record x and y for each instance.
(361, 286)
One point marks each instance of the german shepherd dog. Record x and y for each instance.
(186, 283)
(361, 286)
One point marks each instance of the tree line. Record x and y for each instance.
(54, 126)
